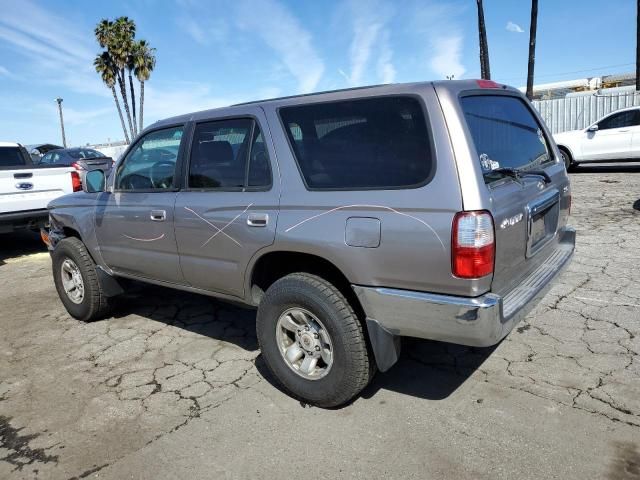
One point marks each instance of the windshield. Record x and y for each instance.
(11, 157)
(505, 132)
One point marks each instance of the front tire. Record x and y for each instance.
(566, 158)
(76, 280)
(312, 341)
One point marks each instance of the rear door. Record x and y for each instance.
(526, 210)
(612, 140)
(229, 208)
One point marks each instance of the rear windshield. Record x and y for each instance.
(84, 153)
(375, 143)
(11, 157)
(505, 133)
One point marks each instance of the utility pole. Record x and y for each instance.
(485, 71)
(532, 47)
(638, 46)
(64, 139)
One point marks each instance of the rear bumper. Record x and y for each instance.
(479, 321)
(10, 221)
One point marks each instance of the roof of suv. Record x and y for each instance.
(9, 144)
(372, 90)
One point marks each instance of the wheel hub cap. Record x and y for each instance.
(72, 281)
(304, 343)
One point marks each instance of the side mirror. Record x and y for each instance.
(592, 128)
(94, 181)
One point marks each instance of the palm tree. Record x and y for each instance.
(145, 61)
(485, 72)
(104, 66)
(532, 47)
(119, 46)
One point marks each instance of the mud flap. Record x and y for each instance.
(386, 346)
(110, 286)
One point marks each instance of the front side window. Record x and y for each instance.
(229, 154)
(151, 164)
(374, 143)
(620, 120)
(505, 132)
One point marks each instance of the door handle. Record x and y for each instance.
(158, 215)
(257, 219)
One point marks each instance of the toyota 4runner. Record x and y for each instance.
(348, 218)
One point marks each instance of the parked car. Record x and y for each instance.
(25, 190)
(82, 159)
(348, 218)
(614, 137)
(38, 150)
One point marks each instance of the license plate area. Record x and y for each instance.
(542, 216)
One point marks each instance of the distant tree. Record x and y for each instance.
(532, 47)
(124, 56)
(485, 71)
(145, 62)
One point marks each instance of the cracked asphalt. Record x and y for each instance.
(173, 385)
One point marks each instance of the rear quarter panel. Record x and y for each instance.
(415, 224)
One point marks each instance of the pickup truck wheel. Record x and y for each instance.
(76, 280)
(312, 341)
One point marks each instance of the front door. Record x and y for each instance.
(229, 208)
(134, 222)
(612, 139)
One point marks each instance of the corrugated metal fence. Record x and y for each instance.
(574, 113)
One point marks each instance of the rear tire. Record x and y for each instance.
(313, 307)
(76, 280)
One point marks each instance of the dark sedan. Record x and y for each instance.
(83, 159)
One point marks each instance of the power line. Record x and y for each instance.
(573, 72)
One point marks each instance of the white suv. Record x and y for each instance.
(613, 137)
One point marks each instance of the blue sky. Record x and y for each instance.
(214, 53)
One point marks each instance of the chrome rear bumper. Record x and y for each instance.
(480, 321)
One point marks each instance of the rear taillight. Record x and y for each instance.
(487, 84)
(76, 182)
(76, 166)
(472, 244)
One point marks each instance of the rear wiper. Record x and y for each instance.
(518, 174)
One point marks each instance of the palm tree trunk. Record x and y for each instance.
(532, 47)
(124, 127)
(125, 101)
(133, 104)
(142, 103)
(485, 71)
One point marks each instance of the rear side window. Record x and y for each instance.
(505, 132)
(11, 157)
(229, 154)
(377, 143)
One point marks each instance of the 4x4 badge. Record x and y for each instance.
(511, 221)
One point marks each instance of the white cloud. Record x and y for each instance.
(5, 72)
(281, 31)
(386, 70)
(447, 56)
(514, 27)
(193, 29)
(370, 39)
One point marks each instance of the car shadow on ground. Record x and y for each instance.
(19, 244)
(426, 369)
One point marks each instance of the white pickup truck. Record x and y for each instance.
(25, 190)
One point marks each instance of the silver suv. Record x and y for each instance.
(349, 219)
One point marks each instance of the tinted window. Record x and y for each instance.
(11, 157)
(370, 143)
(620, 120)
(505, 132)
(152, 162)
(84, 153)
(219, 155)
